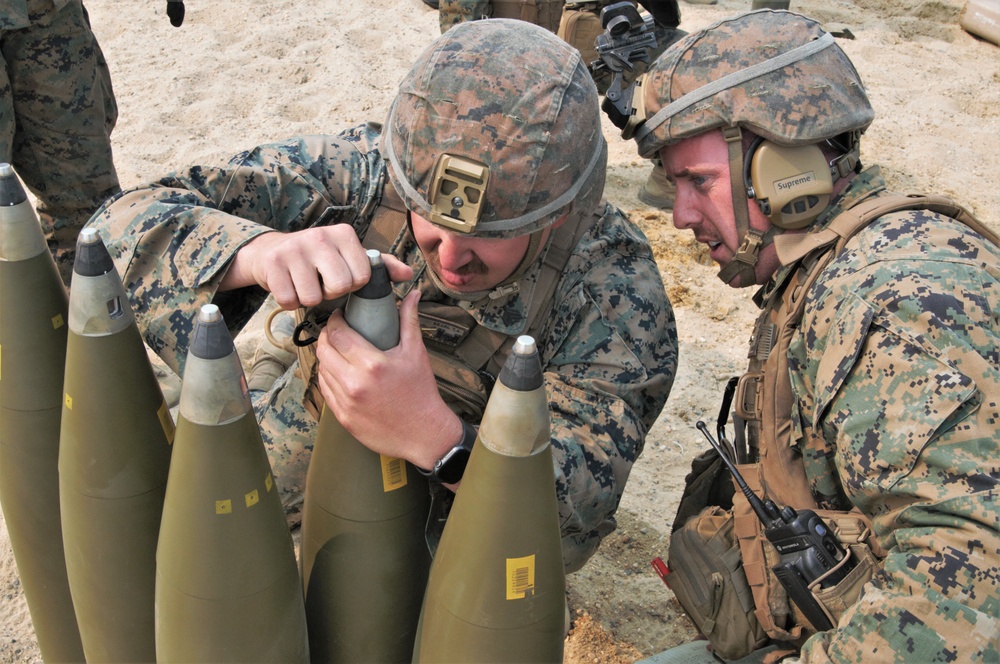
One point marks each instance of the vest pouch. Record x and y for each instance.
(545, 13)
(708, 483)
(706, 575)
(462, 388)
(837, 599)
(780, 617)
(579, 28)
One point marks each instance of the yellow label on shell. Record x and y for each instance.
(268, 482)
(69, 401)
(224, 507)
(252, 498)
(393, 473)
(520, 577)
(167, 422)
(57, 321)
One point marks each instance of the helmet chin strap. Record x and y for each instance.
(751, 240)
(508, 286)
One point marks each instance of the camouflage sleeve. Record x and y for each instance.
(453, 12)
(610, 361)
(173, 239)
(900, 362)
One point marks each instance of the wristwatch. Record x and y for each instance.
(450, 468)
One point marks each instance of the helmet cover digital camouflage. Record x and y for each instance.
(776, 73)
(511, 96)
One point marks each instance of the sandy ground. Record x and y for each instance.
(240, 73)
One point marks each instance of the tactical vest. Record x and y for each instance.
(764, 400)
(466, 357)
(581, 24)
(545, 13)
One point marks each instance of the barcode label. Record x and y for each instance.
(393, 473)
(167, 422)
(520, 577)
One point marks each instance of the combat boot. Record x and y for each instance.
(658, 191)
(270, 360)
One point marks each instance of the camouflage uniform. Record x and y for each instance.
(57, 110)
(894, 369)
(609, 350)
(545, 13)
(896, 372)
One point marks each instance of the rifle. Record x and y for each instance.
(627, 40)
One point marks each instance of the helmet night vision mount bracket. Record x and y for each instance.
(458, 192)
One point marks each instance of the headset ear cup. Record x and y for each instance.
(792, 185)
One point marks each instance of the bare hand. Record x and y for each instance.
(308, 266)
(387, 400)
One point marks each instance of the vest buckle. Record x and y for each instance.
(748, 396)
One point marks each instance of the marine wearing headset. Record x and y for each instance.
(873, 391)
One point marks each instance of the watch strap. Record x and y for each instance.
(450, 467)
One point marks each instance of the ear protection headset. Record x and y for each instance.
(792, 185)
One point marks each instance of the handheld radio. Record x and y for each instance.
(807, 548)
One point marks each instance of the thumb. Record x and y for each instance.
(409, 320)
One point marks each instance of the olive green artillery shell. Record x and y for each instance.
(33, 312)
(497, 587)
(227, 587)
(364, 557)
(496, 591)
(114, 456)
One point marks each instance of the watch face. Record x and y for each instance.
(451, 468)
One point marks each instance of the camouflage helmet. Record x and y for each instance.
(775, 73)
(509, 98)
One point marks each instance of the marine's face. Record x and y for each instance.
(464, 263)
(699, 167)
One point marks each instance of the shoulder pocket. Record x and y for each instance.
(844, 343)
(885, 393)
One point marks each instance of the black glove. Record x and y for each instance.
(175, 10)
